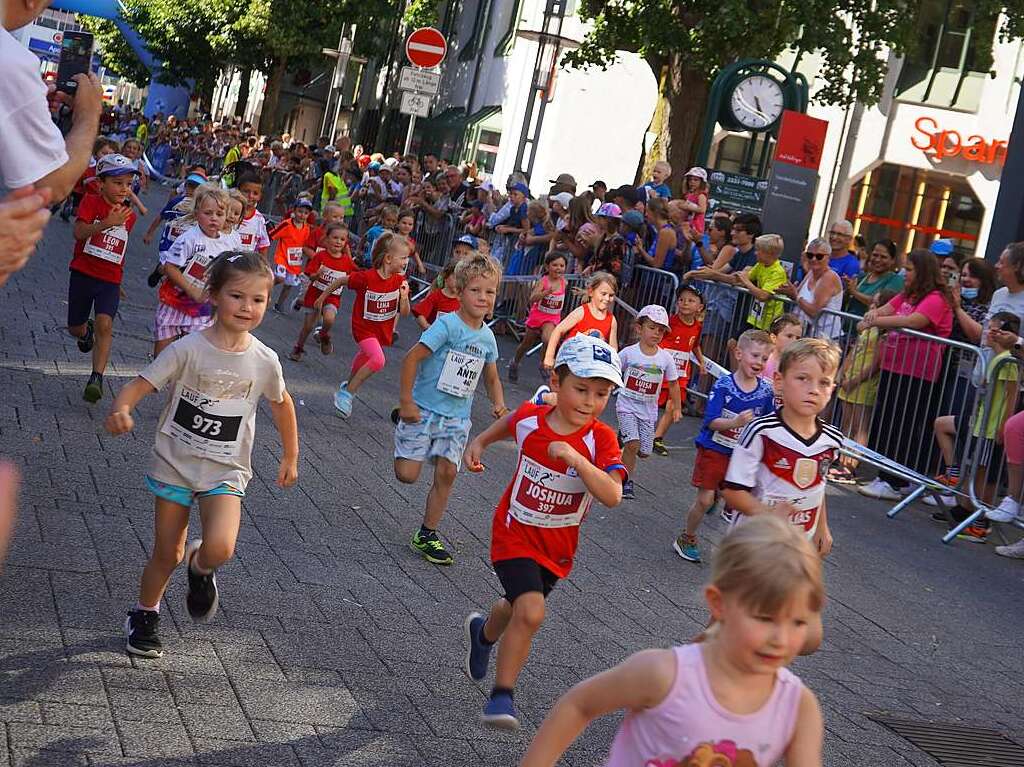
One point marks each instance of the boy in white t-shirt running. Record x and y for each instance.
(780, 463)
(644, 366)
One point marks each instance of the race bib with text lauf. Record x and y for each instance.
(247, 238)
(324, 278)
(543, 497)
(552, 303)
(380, 307)
(195, 269)
(729, 437)
(294, 256)
(682, 360)
(460, 374)
(642, 384)
(109, 245)
(207, 426)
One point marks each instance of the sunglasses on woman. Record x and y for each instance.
(816, 256)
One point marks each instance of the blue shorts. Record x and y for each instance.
(183, 496)
(86, 293)
(435, 436)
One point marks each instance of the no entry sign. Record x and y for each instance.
(426, 47)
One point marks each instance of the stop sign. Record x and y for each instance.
(426, 47)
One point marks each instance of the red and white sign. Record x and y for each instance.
(426, 47)
(801, 139)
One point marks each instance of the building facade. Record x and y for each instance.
(594, 121)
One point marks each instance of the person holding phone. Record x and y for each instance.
(34, 152)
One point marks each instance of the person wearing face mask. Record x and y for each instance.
(971, 299)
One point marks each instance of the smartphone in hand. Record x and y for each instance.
(75, 59)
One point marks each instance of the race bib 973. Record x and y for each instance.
(207, 426)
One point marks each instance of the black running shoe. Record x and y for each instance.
(94, 389)
(202, 599)
(395, 417)
(85, 342)
(154, 277)
(659, 447)
(140, 633)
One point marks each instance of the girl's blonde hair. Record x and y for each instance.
(764, 562)
(477, 265)
(206, 192)
(234, 194)
(385, 244)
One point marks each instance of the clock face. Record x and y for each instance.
(757, 102)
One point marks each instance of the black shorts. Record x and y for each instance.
(522, 575)
(85, 293)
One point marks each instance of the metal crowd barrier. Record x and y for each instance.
(984, 471)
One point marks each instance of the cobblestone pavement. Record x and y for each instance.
(337, 645)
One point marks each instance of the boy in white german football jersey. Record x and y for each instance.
(781, 462)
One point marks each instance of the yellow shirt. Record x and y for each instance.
(999, 389)
(769, 278)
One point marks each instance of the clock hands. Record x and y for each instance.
(755, 110)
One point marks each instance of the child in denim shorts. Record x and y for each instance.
(439, 377)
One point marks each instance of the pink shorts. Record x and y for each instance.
(171, 323)
(537, 319)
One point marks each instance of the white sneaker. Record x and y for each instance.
(879, 488)
(1007, 511)
(1013, 551)
(947, 500)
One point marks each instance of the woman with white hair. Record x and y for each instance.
(820, 292)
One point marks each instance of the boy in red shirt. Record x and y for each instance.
(331, 214)
(683, 342)
(567, 457)
(323, 269)
(291, 236)
(101, 240)
(438, 301)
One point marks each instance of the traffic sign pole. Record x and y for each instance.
(408, 135)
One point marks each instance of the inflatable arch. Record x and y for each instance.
(169, 99)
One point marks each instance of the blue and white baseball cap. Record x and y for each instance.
(468, 239)
(942, 248)
(115, 165)
(589, 357)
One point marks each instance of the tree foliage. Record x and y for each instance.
(118, 56)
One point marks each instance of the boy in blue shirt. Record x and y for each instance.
(736, 399)
(658, 185)
(438, 379)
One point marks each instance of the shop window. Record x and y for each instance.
(951, 58)
(487, 150)
(914, 207)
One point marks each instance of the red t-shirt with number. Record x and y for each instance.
(376, 305)
(102, 255)
(680, 341)
(436, 303)
(323, 269)
(539, 514)
(291, 240)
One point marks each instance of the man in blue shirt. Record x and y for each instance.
(845, 262)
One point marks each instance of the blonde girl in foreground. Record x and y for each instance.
(728, 700)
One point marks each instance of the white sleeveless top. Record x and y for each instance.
(828, 325)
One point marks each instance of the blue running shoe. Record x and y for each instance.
(478, 654)
(343, 401)
(627, 490)
(538, 396)
(500, 712)
(686, 547)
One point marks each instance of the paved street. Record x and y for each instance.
(337, 645)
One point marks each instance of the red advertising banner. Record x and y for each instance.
(801, 140)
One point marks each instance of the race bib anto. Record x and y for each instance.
(109, 245)
(207, 426)
(460, 374)
(543, 497)
(642, 384)
(729, 437)
(325, 277)
(552, 304)
(380, 307)
(294, 256)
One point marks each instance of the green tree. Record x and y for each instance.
(687, 42)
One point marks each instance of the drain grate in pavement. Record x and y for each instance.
(955, 745)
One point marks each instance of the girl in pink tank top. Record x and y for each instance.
(729, 700)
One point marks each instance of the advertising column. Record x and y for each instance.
(793, 181)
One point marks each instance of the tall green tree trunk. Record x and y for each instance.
(245, 73)
(272, 95)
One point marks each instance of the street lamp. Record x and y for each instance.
(550, 45)
(342, 55)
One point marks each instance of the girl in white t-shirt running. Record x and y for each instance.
(183, 307)
(204, 440)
